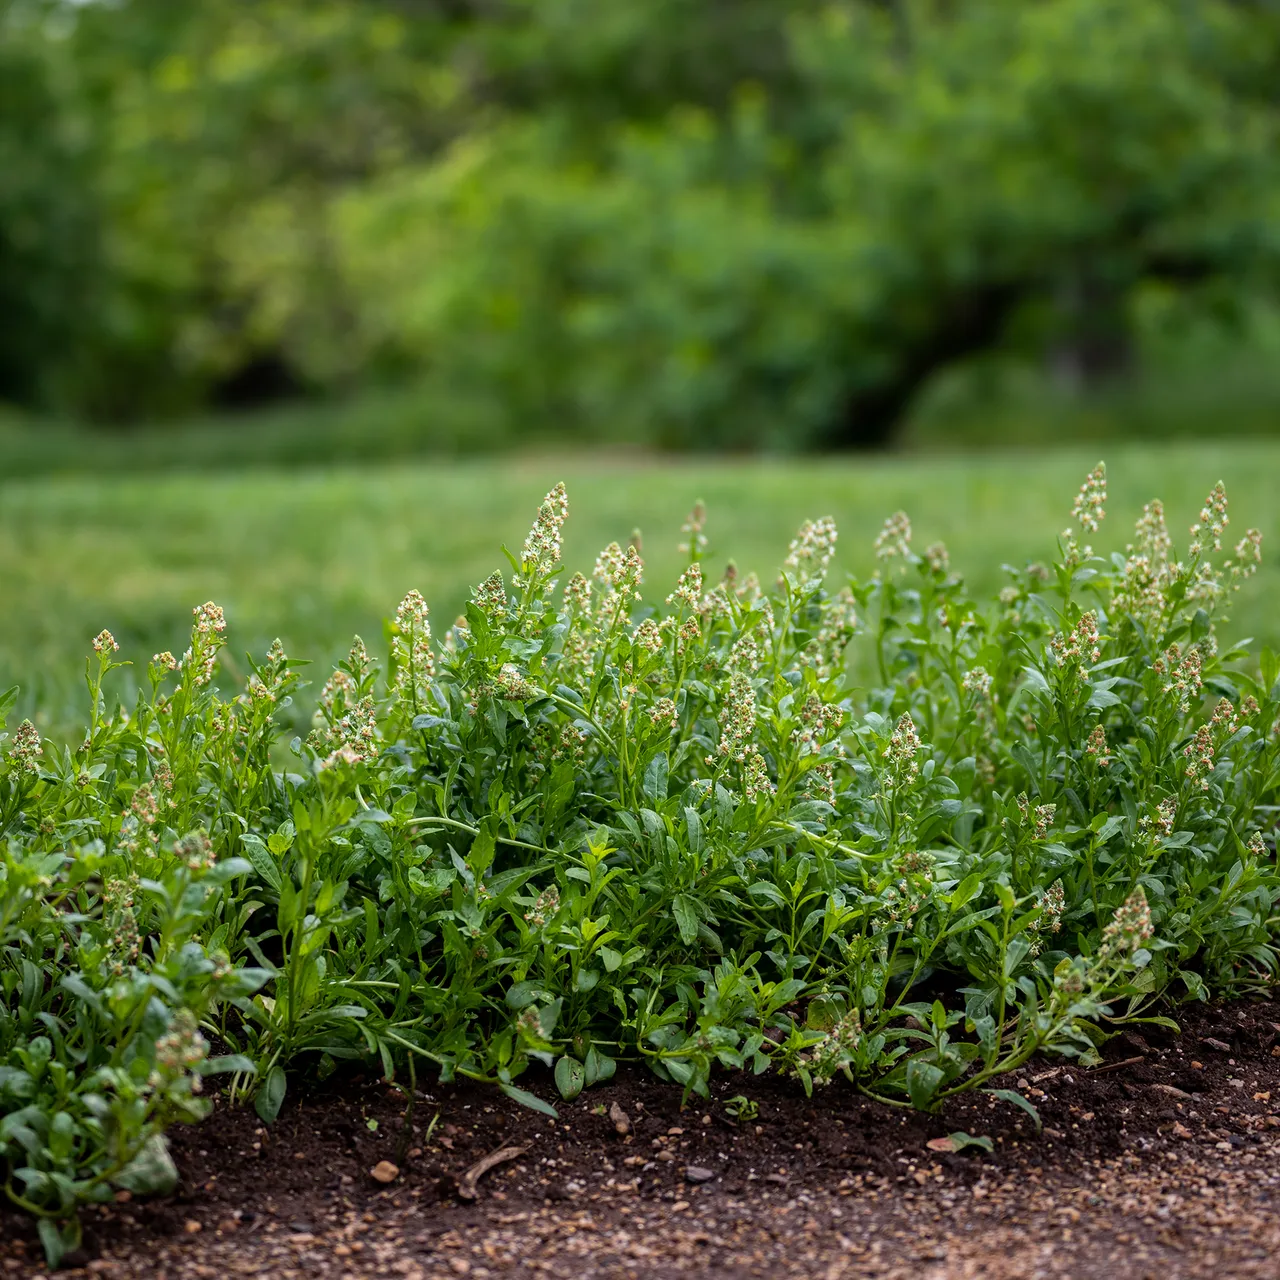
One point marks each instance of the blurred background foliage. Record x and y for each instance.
(684, 223)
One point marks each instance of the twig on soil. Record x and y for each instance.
(467, 1183)
(1116, 1066)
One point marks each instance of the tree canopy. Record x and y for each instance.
(705, 222)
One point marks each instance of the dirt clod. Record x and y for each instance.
(621, 1121)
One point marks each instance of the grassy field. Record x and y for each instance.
(315, 556)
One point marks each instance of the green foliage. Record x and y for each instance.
(586, 828)
(131, 550)
(562, 215)
(49, 231)
(104, 979)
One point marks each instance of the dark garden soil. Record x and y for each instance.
(1164, 1162)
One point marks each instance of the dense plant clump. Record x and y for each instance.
(589, 826)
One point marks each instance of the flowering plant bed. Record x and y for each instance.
(583, 830)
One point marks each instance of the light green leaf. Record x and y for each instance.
(263, 862)
(151, 1171)
(571, 1076)
(530, 1100)
(686, 914)
(923, 1082)
(270, 1095)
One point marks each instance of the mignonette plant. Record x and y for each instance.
(588, 825)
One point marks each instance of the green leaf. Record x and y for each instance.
(151, 1171)
(82, 991)
(58, 1240)
(1113, 824)
(287, 909)
(548, 1016)
(923, 1082)
(226, 1062)
(686, 914)
(655, 779)
(280, 841)
(1014, 1097)
(599, 1067)
(523, 994)
(571, 1076)
(768, 892)
(693, 824)
(263, 863)
(483, 848)
(270, 1095)
(965, 890)
(1269, 663)
(530, 1100)
(1036, 680)
(823, 1013)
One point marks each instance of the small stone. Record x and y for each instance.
(191, 1226)
(697, 1173)
(384, 1171)
(459, 1266)
(1180, 1130)
(1220, 1045)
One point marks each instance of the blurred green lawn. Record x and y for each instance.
(315, 556)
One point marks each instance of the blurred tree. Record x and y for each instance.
(719, 222)
(792, 267)
(49, 229)
(229, 129)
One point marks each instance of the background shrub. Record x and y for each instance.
(669, 222)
